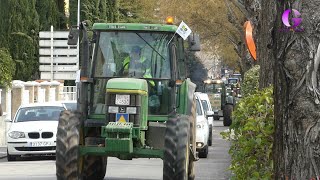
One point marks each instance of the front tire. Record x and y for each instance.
(67, 149)
(204, 152)
(69, 163)
(11, 157)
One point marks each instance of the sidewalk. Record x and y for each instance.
(3, 152)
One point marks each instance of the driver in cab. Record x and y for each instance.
(136, 65)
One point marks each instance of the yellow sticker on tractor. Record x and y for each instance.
(122, 117)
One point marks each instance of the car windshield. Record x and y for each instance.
(199, 112)
(72, 106)
(132, 54)
(39, 113)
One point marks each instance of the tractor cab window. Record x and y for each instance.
(213, 88)
(133, 54)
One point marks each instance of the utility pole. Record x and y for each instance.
(78, 24)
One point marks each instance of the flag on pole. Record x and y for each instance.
(183, 30)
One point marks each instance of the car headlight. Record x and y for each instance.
(122, 99)
(16, 134)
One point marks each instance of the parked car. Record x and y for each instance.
(202, 131)
(70, 105)
(204, 98)
(33, 130)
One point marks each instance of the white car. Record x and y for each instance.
(204, 98)
(202, 131)
(33, 130)
(71, 105)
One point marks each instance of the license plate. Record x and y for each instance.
(122, 99)
(41, 143)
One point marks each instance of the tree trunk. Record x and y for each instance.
(297, 115)
(264, 43)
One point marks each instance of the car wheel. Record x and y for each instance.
(204, 152)
(11, 157)
(210, 136)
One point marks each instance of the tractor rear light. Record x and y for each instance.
(132, 110)
(113, 109)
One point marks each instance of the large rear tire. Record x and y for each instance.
(227, 112)
(69, 163)
(183, 149)
(95, 167)
(177, 164)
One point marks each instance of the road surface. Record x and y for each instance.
(212, 168)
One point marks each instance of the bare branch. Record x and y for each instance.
(242, 8)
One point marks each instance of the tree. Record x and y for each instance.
(211, 20)
(19, 31)
(297, 125)
(48, 14)
(7, 67)
(291, 55)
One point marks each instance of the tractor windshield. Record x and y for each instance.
(213, 88)
(133, 54)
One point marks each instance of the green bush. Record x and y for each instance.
(7, 67)
(251, 81)
(251, 136)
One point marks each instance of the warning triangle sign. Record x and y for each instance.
(122, 119)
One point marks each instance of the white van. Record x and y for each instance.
(204, 98)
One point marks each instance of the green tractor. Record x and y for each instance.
(143, 108)
(221, 99)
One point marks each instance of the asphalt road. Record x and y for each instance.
(212, 168)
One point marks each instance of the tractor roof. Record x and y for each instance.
(134, 27)
(213, 81)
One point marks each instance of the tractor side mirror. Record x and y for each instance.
(194, 42)
(73, 36)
